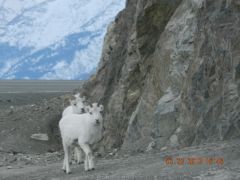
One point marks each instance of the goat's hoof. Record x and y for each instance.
(80, 162)
(91, 169)
(67, 172)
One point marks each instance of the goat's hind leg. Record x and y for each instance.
(64, 163)
(79, 155)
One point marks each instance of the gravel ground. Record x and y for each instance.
(141, 166)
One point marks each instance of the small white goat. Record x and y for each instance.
(76, 107)
(77, 152)
(86, 129)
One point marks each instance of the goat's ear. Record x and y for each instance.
(101, 108)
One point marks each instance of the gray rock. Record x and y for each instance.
(40, 137)
(169, 72)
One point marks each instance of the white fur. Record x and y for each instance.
(77, 106)
(86, 129)
(79, 98)
(77, 152)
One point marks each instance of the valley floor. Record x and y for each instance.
(23, 92)
(140, 166)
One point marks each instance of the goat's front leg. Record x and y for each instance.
(64, 163)
(88, 163)
(66, 158)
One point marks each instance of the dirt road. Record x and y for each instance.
(141, 166)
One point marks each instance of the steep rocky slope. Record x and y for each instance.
(169, 74)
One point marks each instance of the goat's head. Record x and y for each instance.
(95, 110)
(78, 106)
(82, 99)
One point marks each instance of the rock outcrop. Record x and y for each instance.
(169, 74)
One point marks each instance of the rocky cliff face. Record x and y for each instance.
(170, 74)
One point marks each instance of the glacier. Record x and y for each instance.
(53, 39)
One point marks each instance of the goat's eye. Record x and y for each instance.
(90, 113)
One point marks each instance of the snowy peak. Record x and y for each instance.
(43, 37)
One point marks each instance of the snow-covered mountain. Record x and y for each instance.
(53, 39)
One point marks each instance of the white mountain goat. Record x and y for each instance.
(77, 152)
(76, 107)
(86, 129)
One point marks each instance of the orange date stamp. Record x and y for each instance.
(194, 161)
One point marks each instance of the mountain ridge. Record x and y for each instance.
(39, 32)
